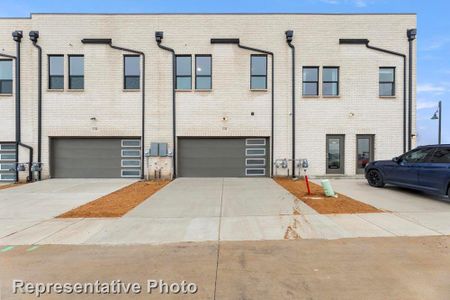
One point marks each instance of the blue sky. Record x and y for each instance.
(433, 57)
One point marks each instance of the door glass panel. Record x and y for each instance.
(363, 152)
(441, 155)
(334, 153)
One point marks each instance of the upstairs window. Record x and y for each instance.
(258, 80)
(184, 72)
(310, 81)
(387, 81)
(203, 72)
(330, 85)
(56, 72)
(132, 72)
(76, 72)
(6, 83)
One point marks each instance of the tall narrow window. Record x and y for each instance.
(184, 72)
(330, 85)
(6, 76)
(56, 72)
(258, 74)
(203, 72)
(387, 81)
(310, 81)
(132, 72)
(76, 72)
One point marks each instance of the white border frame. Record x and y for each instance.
(128, 140)
(255, 165)
(127, 156)
(247, 149)
(255, 139)
(128, 166)
(248, 169)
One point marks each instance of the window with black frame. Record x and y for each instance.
(76, 72)
(310, 81)
(6, 73)
(330, 85)
(56, 72)
(387, 81)
(258, 80)
(184, 72)
(132, 72)
(203, 72)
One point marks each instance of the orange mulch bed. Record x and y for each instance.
(322, 204)
(117, 203)
(7, 186)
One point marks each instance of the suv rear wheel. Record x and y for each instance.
(374, 178)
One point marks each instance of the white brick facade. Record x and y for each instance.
(358, 109)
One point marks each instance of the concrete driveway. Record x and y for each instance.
(27, 205)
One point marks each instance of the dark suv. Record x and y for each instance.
(426, 168)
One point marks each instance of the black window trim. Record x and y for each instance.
(8, 80)
(74, 76)
(258, 76)
(391, 82)
(203, 76)
(327, 81)
(182, 76)
(316, 82)
(133, 76)
(48, 71)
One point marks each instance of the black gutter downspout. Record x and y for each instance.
(411, 33)
(366, 42)
(17, 36)
(159, 35)
(109, 42)
(34, 35)
(237, 42)
(289, 37)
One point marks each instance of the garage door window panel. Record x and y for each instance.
(255, 162)
(131, 143)
(255, 172)
(131, 173)
(131, 163)
(255, 142)
(7, 156)
(6, 75)
(255, 152)
(131, 153)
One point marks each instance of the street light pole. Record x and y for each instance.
(438, 116)
(440, 122)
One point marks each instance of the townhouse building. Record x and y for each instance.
(204, 95)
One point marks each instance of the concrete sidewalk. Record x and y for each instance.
(232, 209)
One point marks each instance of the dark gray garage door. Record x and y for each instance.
(223, 157)
(95, 158)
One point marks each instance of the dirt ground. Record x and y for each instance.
(117, 203)
(322, 204)
(12, 185)
(364, 268)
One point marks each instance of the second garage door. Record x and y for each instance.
(95, 157)
(223, 157)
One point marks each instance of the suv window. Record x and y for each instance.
(419, 155)
(441, 155)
